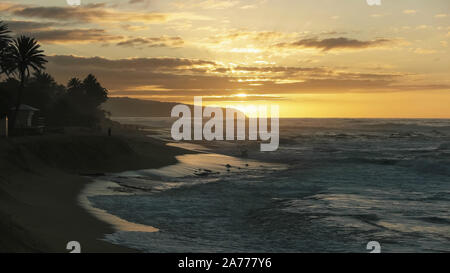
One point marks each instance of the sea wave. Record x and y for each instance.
(333, 185)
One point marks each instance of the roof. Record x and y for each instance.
(25, 107)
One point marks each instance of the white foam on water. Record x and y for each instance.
(101, 187)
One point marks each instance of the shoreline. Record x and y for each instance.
(203, 167)
(119, 224)
(41, 182)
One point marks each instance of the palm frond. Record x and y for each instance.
(4, 34)
(21, 55)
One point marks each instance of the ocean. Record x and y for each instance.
(332, 186)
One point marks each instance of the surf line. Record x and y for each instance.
(213, 128)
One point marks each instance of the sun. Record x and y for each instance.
(240, 95)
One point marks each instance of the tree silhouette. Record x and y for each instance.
(4, 34)
(75, 89)
(80, 106)
(42, 91)
(21, 55)
(74, 84)
(76, 105)
(95, 93)
(5, 39)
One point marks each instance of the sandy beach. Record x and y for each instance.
(41, 178)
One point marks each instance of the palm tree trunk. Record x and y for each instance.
(18, 102)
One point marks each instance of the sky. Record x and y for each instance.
(322, 58)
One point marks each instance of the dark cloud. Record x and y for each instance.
(46, 32)
(372, 76)
(152, 42)
(74, 36)
(137, 1)
(27, 26)
(335, 43)
(147, 64)
(84, 13)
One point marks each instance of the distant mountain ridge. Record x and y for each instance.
(129, 107)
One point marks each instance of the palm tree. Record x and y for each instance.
(74, 86)
(94, 90)
(22, 54)
(43, 79)
(4, 41)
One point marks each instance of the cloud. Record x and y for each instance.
(147, 64)
(286, 70)
(93, 13)
(176, 77)
(258, 36)
(134, 27)
(62, 36)
(424, 51)
(326, 33)
(137, 1)
(249, 7)
(162, 41)
(27, 26)
(410, 11)
(89, 14)
(47, 34)
(422, 27)
(335, 43)
(206, 4)
(240, 41)
(141, 3)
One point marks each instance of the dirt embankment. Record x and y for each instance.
(40, 182)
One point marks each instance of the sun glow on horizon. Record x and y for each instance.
(240, 95)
